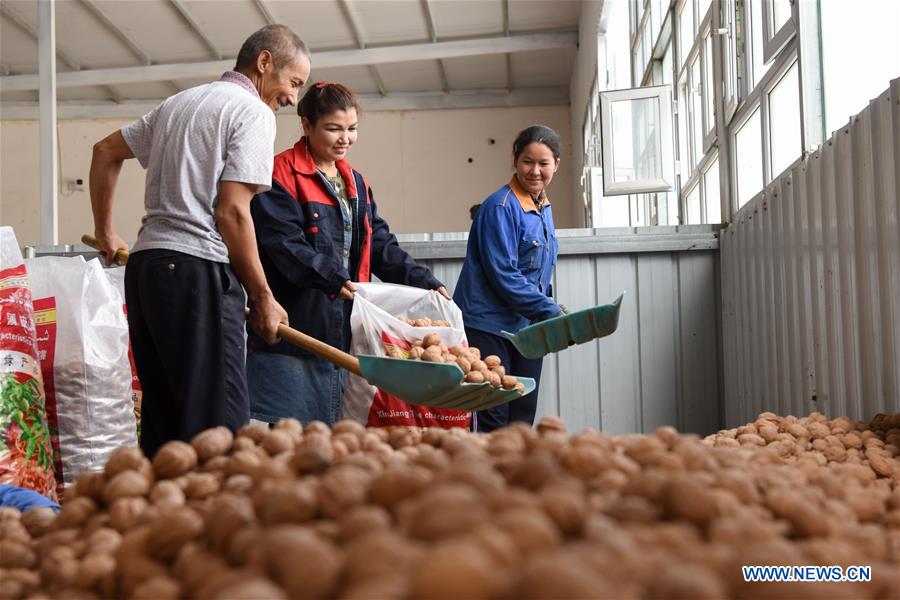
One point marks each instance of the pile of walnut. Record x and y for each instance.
(424, 322)
(351, 512)
(468, 358)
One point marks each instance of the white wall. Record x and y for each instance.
(417, 163)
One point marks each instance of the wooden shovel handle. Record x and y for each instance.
(89, 240)
(329, 353)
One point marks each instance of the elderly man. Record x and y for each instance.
(207, 151)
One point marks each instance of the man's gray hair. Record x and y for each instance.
(281, 42)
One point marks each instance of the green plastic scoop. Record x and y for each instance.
(418, 382)
(561, 332)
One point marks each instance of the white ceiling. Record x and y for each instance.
(94, 37)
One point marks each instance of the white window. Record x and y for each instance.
(712, 197)
(860, 55)
(778, 26)
(636, 129)
(692, 206)
(695, 107)
(685, 30)
(784, 122)
(754, 44)
(729, 57)
(747, 166)
(709, 121)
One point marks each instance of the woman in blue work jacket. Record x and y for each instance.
(505, 284)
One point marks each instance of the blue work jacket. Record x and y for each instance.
(506, 279)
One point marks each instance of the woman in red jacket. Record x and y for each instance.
(319, 231)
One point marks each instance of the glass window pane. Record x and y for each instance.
(748, 159)
(696, 113)
(646, 51)
(610, 211)
(636, 140)
(712, 192)
(781, 13)
(708, 90)
(682, 118)
(703, 8)
(851, 39)
(685, 30)
(668, 73)
(756, 42)
(692, 205)
(730, 49)
(784, 122)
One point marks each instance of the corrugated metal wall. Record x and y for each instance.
(811, 280)
(661, 367)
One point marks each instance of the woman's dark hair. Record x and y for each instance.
(536, 133)
(323, 99)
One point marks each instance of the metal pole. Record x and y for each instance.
(47, 70)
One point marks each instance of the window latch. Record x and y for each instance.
(721, 31)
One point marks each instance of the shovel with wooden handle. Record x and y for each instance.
(417, 382)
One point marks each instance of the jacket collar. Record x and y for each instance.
(524, 197)
(303, 163)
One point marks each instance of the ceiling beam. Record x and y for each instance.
(320, 60)
(126, 39)
(353, 23)
(432, 33)
(195, 27)
(63, 56)
(25, 26)
(265, 12)
(490, 98)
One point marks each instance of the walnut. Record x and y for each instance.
(174, 458)
(456, 569)
(475, 377)
(228, 514)
(91, 485)
(286, 502)
(160, 587)
(75, 513)
(304, 564)
(93, 569)
(16, 555)
(212, 443)
(38, 520)
(125, 484)
(123, 459)
(201, 485)
(363, 519)
(254, 432)
(342, 488)
(171, 530)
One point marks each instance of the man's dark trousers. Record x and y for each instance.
(186, 321)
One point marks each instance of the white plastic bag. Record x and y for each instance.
(374, 325)
(116, 276)
(83, 344)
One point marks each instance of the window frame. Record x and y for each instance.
(774, 41)
(759, 99)
(665, 183)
